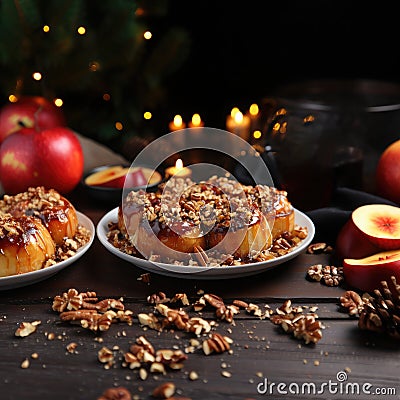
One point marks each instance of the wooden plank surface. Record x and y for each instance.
(260, 350)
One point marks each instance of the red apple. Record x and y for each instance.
(367, 273)
(29, 111)
(388, 173)
(52, 158)
(371, 228)
(352, 243)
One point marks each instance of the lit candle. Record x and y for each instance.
(238, 124)
(196, 121)
(177, 123)
(179, 171)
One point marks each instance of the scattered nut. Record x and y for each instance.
(26, 328)
(193, 375)
(118, 393)
(145, 278)
(164, 391)
(71, 347)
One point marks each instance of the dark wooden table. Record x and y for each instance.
(264, 362)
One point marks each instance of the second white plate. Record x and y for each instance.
(193, 272)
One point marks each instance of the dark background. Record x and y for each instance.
(243, 51)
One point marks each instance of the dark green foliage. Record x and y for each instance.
(111, 57)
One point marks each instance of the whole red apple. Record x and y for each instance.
(388, 173)
(52, 158)
(29, 111)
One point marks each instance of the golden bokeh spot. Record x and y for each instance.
(94, 66)
(254, 110)
(147, 115)
(257, 134)
(58, 102)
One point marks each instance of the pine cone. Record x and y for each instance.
(381, 312)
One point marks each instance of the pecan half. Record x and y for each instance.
(216, 343)
(352, 302)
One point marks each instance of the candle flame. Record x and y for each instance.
(238, 117)
(178, 120)
(234, 111)
(196, 120)
(179, 164)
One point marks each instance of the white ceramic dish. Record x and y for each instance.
(191, 272)
(15, 281)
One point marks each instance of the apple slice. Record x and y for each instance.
(118, 176)
(106, 175)
(371, 228)
(367, 273)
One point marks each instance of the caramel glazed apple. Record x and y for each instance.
(32, 224)
(218, 218)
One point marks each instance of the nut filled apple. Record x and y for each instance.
(38, 228)
(214, 222)
(117, 176)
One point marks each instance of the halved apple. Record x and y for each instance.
(130, 179)
(352, 243)
(367, 273)
(371, 228)
(118, 176)
(106, 175)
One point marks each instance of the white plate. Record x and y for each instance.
(191, 272)
(15, 281)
